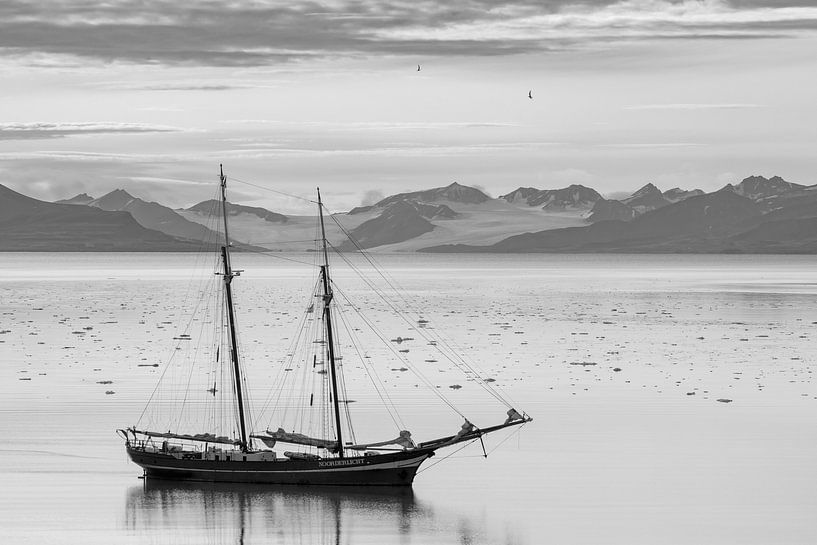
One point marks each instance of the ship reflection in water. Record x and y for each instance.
(168, 512)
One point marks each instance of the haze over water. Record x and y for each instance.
(621, 360)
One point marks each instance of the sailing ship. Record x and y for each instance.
(248, 456)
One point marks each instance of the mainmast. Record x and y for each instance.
(327, 299)
(228, 291)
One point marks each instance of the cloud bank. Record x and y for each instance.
(34, 131)
(265, 32)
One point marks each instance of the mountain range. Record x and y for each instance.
(755, 215)
(758, 215)
(28, 224)
(117, 221)
(151, 215)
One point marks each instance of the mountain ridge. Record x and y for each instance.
(81, 198)
(29, 224)
(453, 192)
(153, 215)
(574, 196)
(213, 207)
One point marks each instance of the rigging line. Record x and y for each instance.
(283, 241)
(208, 315)
(223, 368)
(184, 399)
(391, 408)
(233, 179)
(338, 374)
(512, 434)
(444, 458)
(375, 379)
(168, 365)
(307, 376)
(282, 364)
(342, 382)
(245, 383)
(326, 413)
(192, 365)
(200, 257)
(313, 348)
(243, 378)
(390, 281)
(404, 318)
(271, 253)
(282, 375)
(454, 357)
(402, 358)
(493, 392)
(341, 377)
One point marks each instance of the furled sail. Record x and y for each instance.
(404, 440)
(202, 437)
(513, 416)
(466, 429)
(295, 438)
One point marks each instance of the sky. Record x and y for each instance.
(152, 96)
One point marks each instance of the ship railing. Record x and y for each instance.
(171, 443)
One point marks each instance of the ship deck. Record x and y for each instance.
(387, 469)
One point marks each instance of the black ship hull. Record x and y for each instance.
(393, 469)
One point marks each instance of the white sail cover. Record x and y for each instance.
(202, 437)
(295, 438)
(513, 416)
(466, 428)
(404, 440)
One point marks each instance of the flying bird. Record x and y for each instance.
(530, 95)
(418, 67)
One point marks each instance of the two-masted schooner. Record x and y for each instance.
(248, 456)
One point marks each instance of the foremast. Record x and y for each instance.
(327, 315)
(229, 274)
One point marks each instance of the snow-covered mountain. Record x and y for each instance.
(573, 197)
(645, 199)
(460, 215)
(759, 188)
(676, 194)
(82, 198)
(213, 207)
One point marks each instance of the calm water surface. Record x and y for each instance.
(621, 360)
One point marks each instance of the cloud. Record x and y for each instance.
(265, 32)
(572, 176)
(160, 109)
(692, 106)
(185, 85)
(371, 197)
(651, 145)
(396, 150)
(169, 181)
(481, 188)
(399, 126)
(726, 178)
(33, 131)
